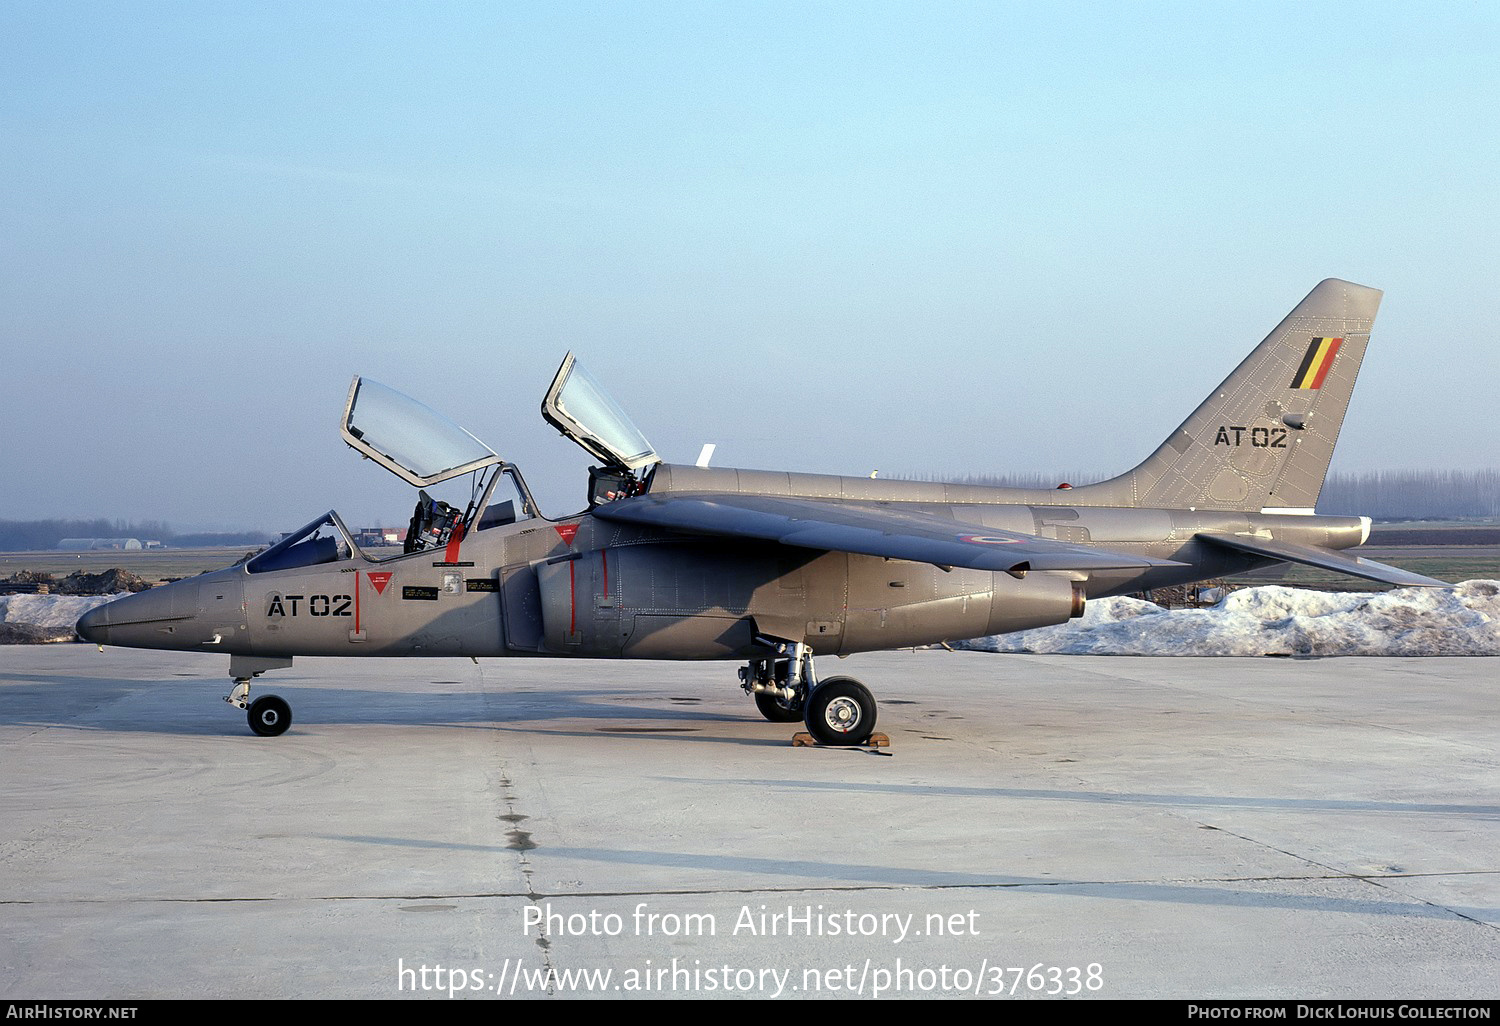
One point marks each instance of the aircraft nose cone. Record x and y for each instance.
(94, 625)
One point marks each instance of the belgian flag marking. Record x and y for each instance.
(1320, 354)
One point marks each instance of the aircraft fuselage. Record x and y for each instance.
(588, 587)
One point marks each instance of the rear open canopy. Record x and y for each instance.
(578, 406)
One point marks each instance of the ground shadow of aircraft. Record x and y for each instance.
(772, 568)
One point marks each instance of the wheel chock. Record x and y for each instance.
(802, 739)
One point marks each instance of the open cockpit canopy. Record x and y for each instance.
(412, 441)
(425, 448)
(578, 406)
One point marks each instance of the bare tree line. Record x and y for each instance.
(1413, 494)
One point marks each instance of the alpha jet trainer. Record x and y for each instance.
(774, 569)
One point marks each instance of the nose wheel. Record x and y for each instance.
(270, 715)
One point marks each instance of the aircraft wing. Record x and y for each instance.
(867, 528)
(1327, 559)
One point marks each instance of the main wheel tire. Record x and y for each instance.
(270, 715)
(841, 711)
(773, 709)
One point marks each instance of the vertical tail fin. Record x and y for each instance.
(1263, 438)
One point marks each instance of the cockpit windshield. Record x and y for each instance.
(323, 541)
(414, 442)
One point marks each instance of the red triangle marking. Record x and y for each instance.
(380, 579)
(567, 531)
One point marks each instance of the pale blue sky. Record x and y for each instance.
(923, 237)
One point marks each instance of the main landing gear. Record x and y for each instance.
(269, 715)
(839, 711)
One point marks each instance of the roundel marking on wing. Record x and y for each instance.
(985, 539)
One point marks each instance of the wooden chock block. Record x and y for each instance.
(802, 739)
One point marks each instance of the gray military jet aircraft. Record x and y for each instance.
(772, 569)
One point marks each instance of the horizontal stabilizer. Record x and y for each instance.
(1327, 559)
(872, 530)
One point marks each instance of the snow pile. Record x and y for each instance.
(1463, 620)
(46, 617)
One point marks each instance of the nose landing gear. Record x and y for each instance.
(269, 715)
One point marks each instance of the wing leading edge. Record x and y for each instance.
(867, 529)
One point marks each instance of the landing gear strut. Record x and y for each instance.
(840, 711)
